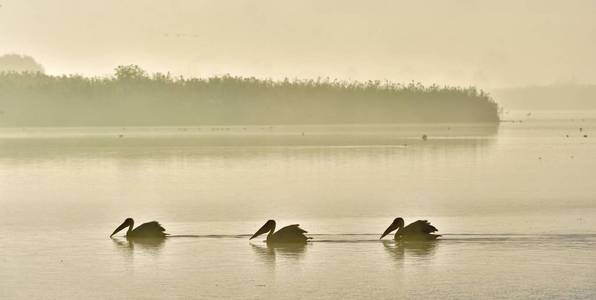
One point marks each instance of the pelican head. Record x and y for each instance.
(268, 227)
(396, 224)
(129, 222)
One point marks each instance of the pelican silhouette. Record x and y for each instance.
(291, 234)
(149, 230)
(419, 230)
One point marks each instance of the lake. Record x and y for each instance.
(515, 203)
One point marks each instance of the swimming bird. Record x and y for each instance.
(149, 230)
(419, 230)
(291, 234)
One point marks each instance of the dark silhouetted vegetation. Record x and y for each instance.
(133, 98)
(19, 63)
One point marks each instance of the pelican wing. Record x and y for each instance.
(149, 230)
(418, 227)
(290, 234)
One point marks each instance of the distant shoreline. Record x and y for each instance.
(554, 97)
(133, 98)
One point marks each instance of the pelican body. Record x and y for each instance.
(420, 230)
(149, 230)
(291, 234)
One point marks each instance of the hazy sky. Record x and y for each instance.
(462, 42)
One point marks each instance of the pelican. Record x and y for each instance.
(149, 230)
(291, 234)
(419, 230)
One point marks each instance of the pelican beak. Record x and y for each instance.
(389, 229)
(263, 229)
(122, 226)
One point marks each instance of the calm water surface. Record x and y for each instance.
(516, 204)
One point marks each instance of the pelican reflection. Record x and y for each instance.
(145, 244)
(269, 252)
(414, 249)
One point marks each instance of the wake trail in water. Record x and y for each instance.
(209, 236)
(447, 237)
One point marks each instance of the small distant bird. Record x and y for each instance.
(585, 135)
(424, 137)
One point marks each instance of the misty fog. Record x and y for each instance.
(468, 126)
(486, 44)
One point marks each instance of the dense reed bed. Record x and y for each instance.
(131, 97)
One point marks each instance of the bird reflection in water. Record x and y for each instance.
(270, 252)
(410, 249)
(129, 247)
